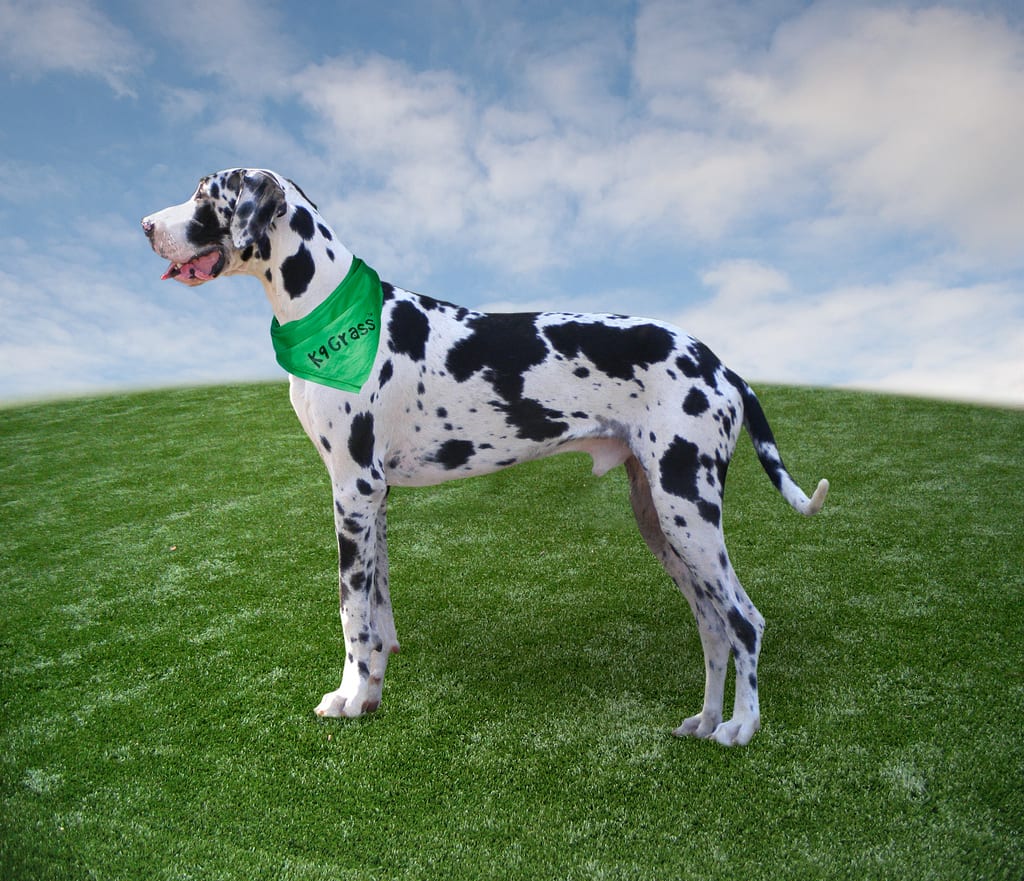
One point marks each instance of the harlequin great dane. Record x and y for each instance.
(452, 393)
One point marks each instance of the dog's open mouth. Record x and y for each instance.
(202, 267)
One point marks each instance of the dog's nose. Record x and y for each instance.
(148, 226)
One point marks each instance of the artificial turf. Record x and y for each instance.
(170, 620)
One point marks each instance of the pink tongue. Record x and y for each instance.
(196, 270)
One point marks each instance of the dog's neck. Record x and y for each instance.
(289, 253)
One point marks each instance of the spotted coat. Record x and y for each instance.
(456, 393)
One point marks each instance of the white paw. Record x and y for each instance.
(737, 732)
(702, 725)
(337, 706)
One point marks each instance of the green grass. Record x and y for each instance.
(170, 620)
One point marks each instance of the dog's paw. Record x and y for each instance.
(737, 732)
(332, 705)
(702, 725)
(335, 706)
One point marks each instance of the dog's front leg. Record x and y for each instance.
(380, 601)
(357, 510)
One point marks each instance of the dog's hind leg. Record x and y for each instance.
(741, 626)
(694, 555)
(714, 641)
(746, 624)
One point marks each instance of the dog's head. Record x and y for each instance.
(224, 228)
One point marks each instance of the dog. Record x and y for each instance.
(449, 392)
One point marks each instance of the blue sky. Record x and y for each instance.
(826, 193)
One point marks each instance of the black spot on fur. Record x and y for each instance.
(502, 348)
(297, 272)
(454, 453)
(326, 444)
(709, 511)
(532, 420)
(615, 351)
(387, 370)
(263, 248)
(759, 430)
(364, 487)
(325, 232)
(679, 466)
(348, 550)
(361, 440)
(701, 362)
(204, 228)
(743, 629)
(581, 372)
(696, 402)
(408, 331)
(722, 466)
(302, 223)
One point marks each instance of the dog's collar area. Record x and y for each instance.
(335, 344)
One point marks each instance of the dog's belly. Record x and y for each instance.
(430, 457)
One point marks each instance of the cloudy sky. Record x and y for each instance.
(826, 193)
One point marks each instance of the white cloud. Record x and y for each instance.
(405, 137)
(905, 121)
(245, 45)
(683, 45)
(709, 130)
(575, 85)
(678, 185)
(182, 104)
(43, 36)
(418, 157)
(26, 183)
(911, 337)
(913, 116)
(83, 327)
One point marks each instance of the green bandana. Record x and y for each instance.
(336, 343)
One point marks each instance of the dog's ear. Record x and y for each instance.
(260, 201)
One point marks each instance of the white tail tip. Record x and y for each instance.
(816, 501)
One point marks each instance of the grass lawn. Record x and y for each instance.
(170, 620)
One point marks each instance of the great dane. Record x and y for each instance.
(451, 392)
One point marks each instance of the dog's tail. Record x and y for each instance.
(767, 451)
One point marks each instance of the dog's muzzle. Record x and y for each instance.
(202, 266)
